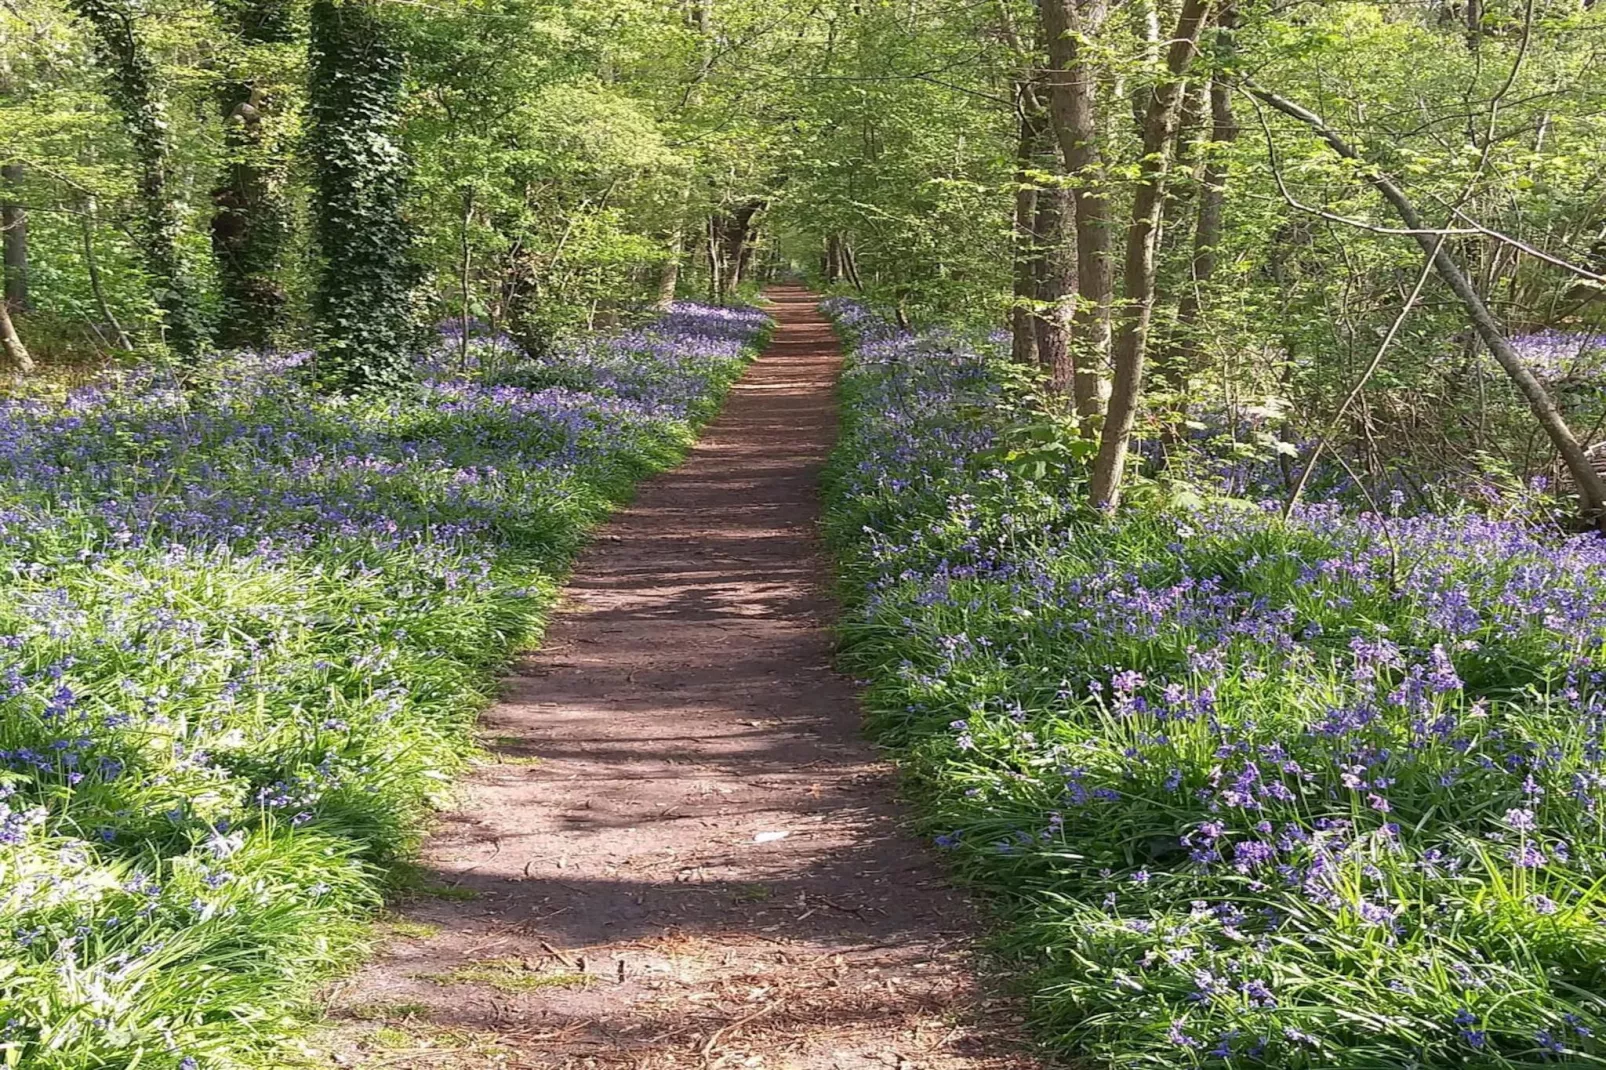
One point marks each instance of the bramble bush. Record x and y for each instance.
(244, 634)
(1317, 793)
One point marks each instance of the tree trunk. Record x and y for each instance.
(1591, 486)
(87, 219)
(363, 301)
(1073, 108)
(1055, 288)
(669, 276)
(130, 76)
(1159, 137)
(716, 282)
(850, 265)
(14, 221)
(735, 234)
(251, 216)
(1184, 358)
(465, 267)
(16, 353)
(1027, 254)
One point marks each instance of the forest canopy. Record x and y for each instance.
(1223, 439)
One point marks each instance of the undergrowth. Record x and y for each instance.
(1328, 792)
(244, 633)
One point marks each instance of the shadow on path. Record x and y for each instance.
(685, 854)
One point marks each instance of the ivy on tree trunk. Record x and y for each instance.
(363, 302)
(131, 81)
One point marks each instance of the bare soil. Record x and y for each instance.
(684, 854)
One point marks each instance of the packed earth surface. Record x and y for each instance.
(681, 851)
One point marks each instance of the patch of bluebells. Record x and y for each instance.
(1236, 448)
(1328, 792)
(1560, 356)
(244, 632)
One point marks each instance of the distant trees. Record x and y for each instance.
(532, 170)
(1098, 175)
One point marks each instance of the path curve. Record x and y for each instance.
(686, 855)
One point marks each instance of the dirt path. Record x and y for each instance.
(687, 856)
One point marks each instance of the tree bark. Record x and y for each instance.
(1073, 107)
(1591, 487)
(251, 216)
(16, 353)
(669, 276)
(1184, 358)
(14, 221)
(850, 265)
(465, 267)
(1159, 137)
(735, 233)
(87, 220)
(1474, 16)
(716, 281)
(1022, 321)
(1055, 288)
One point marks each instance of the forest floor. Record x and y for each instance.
(682, 853)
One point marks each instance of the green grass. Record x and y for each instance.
(510, 975)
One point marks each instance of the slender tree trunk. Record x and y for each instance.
(130, 76)
(1022, 321)
(14, 221)
(465, 273)
(1159, 138)
(1591, 486)
(251, 216)
(363, 303)
(87, 222)
(1073, 106)
(1183, 360)
(16, 353)
(1145, 18)
(833, 258)
(669, 275)
(735, 235)
(1055, 288)
(850, 265)
(1474, 15)
(716, 282)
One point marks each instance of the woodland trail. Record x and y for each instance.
(631, 902)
